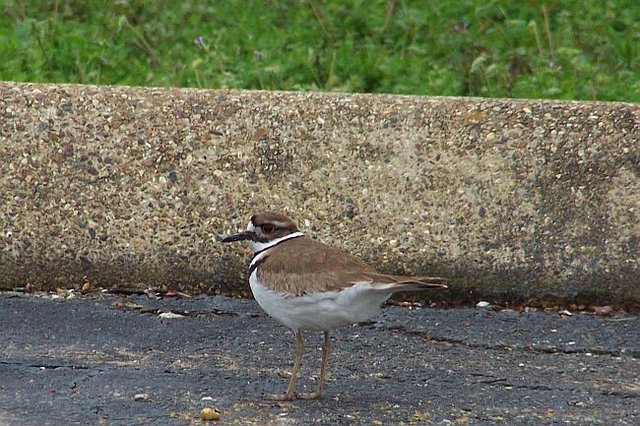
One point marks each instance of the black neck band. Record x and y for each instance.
(255, 265)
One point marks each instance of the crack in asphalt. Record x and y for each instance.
(505, 347)
(623, 394)
(45, 366)
(182, 312)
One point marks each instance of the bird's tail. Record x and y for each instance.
(402, 283)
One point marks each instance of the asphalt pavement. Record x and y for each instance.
(113, 359)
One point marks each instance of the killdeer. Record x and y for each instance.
(307, 285)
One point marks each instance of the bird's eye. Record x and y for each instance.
(268, 228)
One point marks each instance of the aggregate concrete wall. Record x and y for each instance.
(514, 200)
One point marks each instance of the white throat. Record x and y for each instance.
(257, 246)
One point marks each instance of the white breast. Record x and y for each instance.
(320, 311)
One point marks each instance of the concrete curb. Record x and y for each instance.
(518, 201)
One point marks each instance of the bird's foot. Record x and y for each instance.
(309, 395)
(291, 397)
(280, 396)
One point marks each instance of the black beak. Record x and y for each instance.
(240, 236)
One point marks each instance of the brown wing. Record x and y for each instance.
(319, 267)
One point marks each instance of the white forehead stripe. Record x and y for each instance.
(276, 223)
(279, 224)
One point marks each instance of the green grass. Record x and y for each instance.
(562, 49)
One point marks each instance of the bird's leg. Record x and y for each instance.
(289, 395)
(326, 346)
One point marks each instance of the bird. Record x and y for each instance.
(307, 285)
